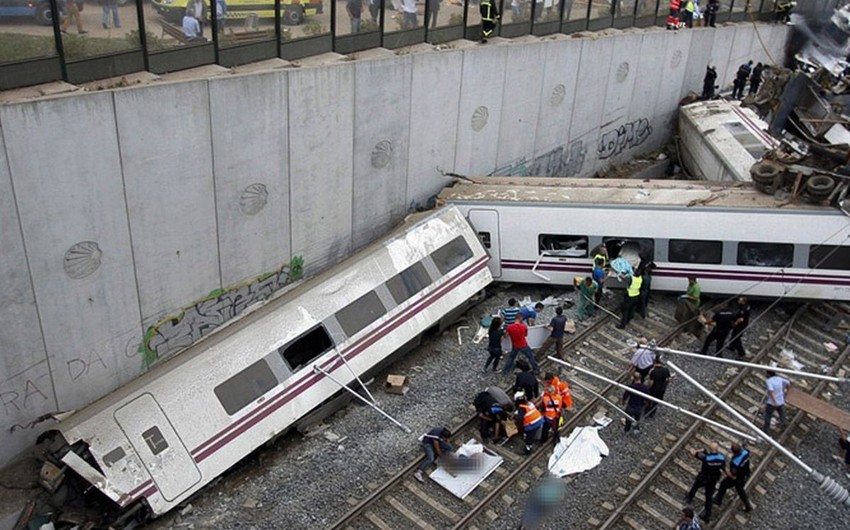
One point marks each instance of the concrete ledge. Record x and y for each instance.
(262, 66)
(193, 74)
(54, 88)
(323, 59)
(121, 81)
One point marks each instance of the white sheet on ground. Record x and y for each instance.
(583, 449)
(467, 478)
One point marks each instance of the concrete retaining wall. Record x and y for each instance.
(135, 221)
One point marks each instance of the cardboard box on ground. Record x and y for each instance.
(396, 384)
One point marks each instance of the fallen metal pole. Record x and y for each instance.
(345, 362)
(401, 426)
(829, 486)
(603, 398)
(656, 400)
(754, 365)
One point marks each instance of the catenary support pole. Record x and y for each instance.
(829, 486)
(753, 365)
(401, 426)
(345, 362)
(656, 400)
(603, 398)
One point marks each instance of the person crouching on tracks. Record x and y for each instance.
(634, 402)
(713, 463)
(435, 443)
(551, 405)
(688, 520)
(739, 471)
(526, 382)
(518, 332)
(494, 343)
(528, 420)
(562, 387)
(491, 417)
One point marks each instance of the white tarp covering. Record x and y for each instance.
(582, 450)
(470, 465)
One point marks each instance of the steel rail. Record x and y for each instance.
(686, 437)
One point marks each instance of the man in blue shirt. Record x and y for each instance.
(713, 463)
(739, 471)
(529, 314)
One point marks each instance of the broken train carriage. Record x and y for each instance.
(154, 442)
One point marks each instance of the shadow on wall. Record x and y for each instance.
(173, 333)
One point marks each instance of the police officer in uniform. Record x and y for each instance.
(713, 463)
(739, 471)
(489, 16)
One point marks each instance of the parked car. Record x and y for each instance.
(37, 9)
(292, 12)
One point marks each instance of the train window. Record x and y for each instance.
(694, 251)
(113, 457)
(484, 237)
(306, 347)
(408, 282)
(360, 313)
(829, 257)
(563, 245)
(245, 387)
(451, 255)
(641, 247)
(765, 254)
(156, 442)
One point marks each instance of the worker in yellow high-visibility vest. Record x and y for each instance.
(630, 300)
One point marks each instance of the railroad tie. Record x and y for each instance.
(433, 503)
(407, 513)
(655, 514)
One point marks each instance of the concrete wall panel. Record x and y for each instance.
(321, 111)
(618, 134)
(435, 96)
(698, 56)
(589, 108)
(673, 72)
(250, 165)
(742, 47)
(166, 150)
(381, 136)
(26, 388)
(480, 109)
(721, 52)
(553, 155)
(520, 107)
(77, 242)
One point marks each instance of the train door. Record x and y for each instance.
(486, 225)
(160, 449)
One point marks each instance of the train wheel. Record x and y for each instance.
(820, 186)
(764, 175)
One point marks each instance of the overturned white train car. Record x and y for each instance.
(735, 239)
(157, 440)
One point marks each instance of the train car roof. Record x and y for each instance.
(619, 192)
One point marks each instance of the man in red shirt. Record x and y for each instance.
(518, 332)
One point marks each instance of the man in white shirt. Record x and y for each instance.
(191, 27)
(777, 387)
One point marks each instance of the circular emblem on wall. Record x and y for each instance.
(558, 95)
(82, 259)
(676, 59)
(381, 154)
(480, 117)
(622, 72)
(253, 199)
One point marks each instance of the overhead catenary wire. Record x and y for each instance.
(828, 485)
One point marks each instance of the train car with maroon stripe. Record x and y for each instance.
(154, 442)
(733, 239)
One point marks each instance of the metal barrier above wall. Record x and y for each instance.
(83, 40)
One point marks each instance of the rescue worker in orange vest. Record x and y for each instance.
(489, 16)
(562, 387)
(550, 405)
(528, 420)
(630, 300)
(673, 18)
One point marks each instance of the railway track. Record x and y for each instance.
(402, 502)
(654, 497)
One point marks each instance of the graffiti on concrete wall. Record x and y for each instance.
(174, 333)
(624, 137)
(30, 389)
(563, 161)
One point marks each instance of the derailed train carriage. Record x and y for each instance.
(154, 442)
(734, 239)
